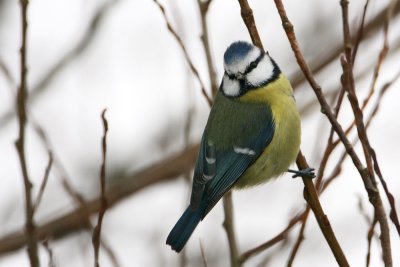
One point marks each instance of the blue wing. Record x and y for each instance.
(228, 148)
(218, 165)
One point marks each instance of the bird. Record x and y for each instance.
(252, 135)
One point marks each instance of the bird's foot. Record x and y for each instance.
(305, 173)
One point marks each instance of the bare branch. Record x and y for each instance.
(276, 239)
(49, 251)
(248, 19)
(203, 7)
(312, 197)
(185, 53)
(22, 96)
(75, 220)
(87, 39)
(230, 229)
(44, 182)
(103, 200)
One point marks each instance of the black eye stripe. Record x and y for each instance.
(230, 76)
(249, 68)
(254, 64)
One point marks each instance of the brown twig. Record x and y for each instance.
(332, 145)
(49, 251)
(372, 190)
(230, 229)
(299, 239)
(288, 27)
(22, 96)
(203, 7)
(321, 185)
(81, 46)
(312, 197)
(165, 170)
(276, 239)
(44, 182)
(360, 32)
(185, 53)
(320, 62)
(382, 55)
(393, 213)
(7, 74)
(103, 200)
(79, 199)
(248, 19)
(370, 235)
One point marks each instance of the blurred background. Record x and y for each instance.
(84, 56)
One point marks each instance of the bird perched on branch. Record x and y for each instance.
(252, 135)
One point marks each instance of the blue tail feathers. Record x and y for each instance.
(184, 228)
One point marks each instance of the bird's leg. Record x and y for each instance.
(305, 173)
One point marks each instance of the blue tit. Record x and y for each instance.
(252, 134)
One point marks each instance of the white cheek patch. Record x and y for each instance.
(263, 72)
(244, 150)
(230, 87)
(240, 65)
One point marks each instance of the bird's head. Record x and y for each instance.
(246, 67)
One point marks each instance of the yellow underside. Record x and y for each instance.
(285, 144)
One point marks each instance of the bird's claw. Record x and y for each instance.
(305, 173)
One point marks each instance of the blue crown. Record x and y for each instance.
(237, 51)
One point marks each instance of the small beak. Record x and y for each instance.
(239, 76)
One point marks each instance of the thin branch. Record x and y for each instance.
(49, 251)
(312, 197)
(81, 46)
(230, 229)
(320, 62)
(382, 55)
(185, 53)
(7, 74)
(370, 235)
(164, 170)
(103, 200)
(22, 96)
(276, 239)
(248, 19)
(360, 32)
(299, 239)
(321, 185)
(373, 192)
(203, 7)
(44, 182)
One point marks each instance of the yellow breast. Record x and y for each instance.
(285, 144)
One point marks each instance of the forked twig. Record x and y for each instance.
(185, 53)
(312, 197)
(22, 96)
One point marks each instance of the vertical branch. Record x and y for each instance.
(312, 196)
(22, 93)
(185, 53)
(230, 229)
(203, 7)
(349, 85)
(248, 19)
(370, 235)
(103, 200)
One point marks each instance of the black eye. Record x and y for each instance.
(230, 76)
